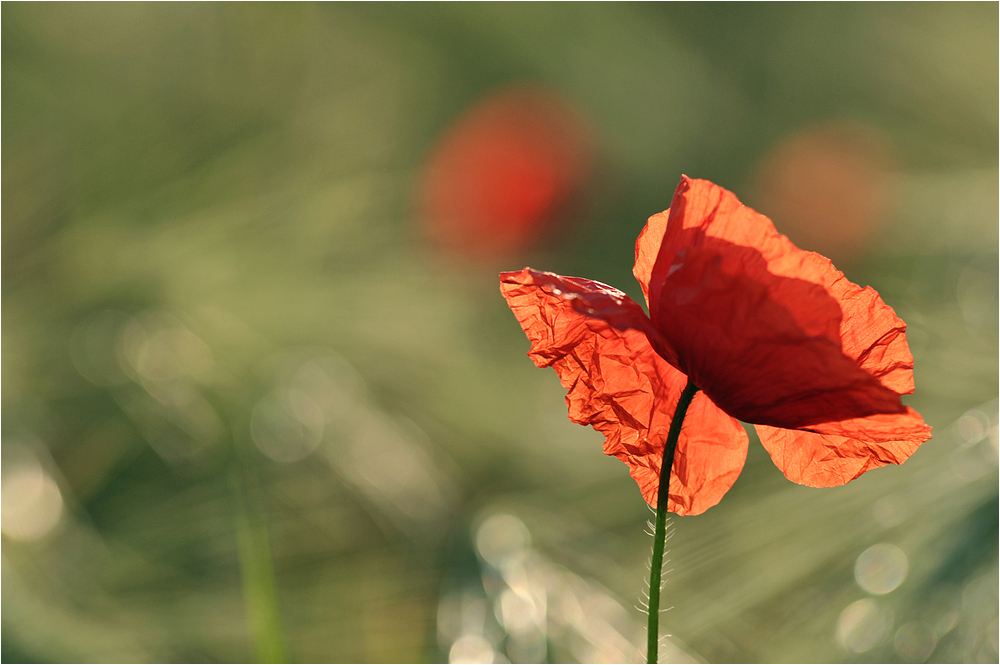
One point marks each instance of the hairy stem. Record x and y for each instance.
(659, 533)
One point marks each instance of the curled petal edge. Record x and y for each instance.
(843, 451)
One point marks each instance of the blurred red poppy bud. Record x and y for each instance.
(828, 188)
(503, 173)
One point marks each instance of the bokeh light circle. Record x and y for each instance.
(471, 649)
(973, 426)
(501, 538)
(915, 641)
(287, 425)
(31, 501)
(863, 626)
(881, 568)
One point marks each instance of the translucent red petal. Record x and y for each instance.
(595, 337)
(773, 334)
(826, 460)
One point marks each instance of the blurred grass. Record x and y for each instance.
(208, 227)
(260, 589)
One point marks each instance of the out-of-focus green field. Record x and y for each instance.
(250, 411)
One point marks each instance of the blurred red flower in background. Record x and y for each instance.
(829, 187)
(502, 174)
(771, 334)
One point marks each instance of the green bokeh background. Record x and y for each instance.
(208, 219)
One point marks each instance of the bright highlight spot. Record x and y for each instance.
(471, 649)
(156, 348)
(881, 568)
(973, 426)
(502, 538)
(32, 502)
(519, 612)
(862, 626)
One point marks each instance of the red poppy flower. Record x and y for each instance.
(771, 334)
(503, 174)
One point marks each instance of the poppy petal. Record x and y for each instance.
(647, 249)
(871, 333)
(588, 298)
(757, 322)
(881, 428)
(595, 337)
(709, 458)
(827, 460)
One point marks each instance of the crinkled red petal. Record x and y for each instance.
(595, 337)
(880, 428)
(852, 447)
(711, 452)
(773, 334)
(871, 333)
(647, 249)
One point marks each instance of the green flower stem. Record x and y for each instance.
(260, 588)
(659, 535)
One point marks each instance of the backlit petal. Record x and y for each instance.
(709, 458)
(871, 333)
(594, 337)
(761, 325)
(710, 454)
(647, 249)
(880, 428)
(586, 297)
(826, 460)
